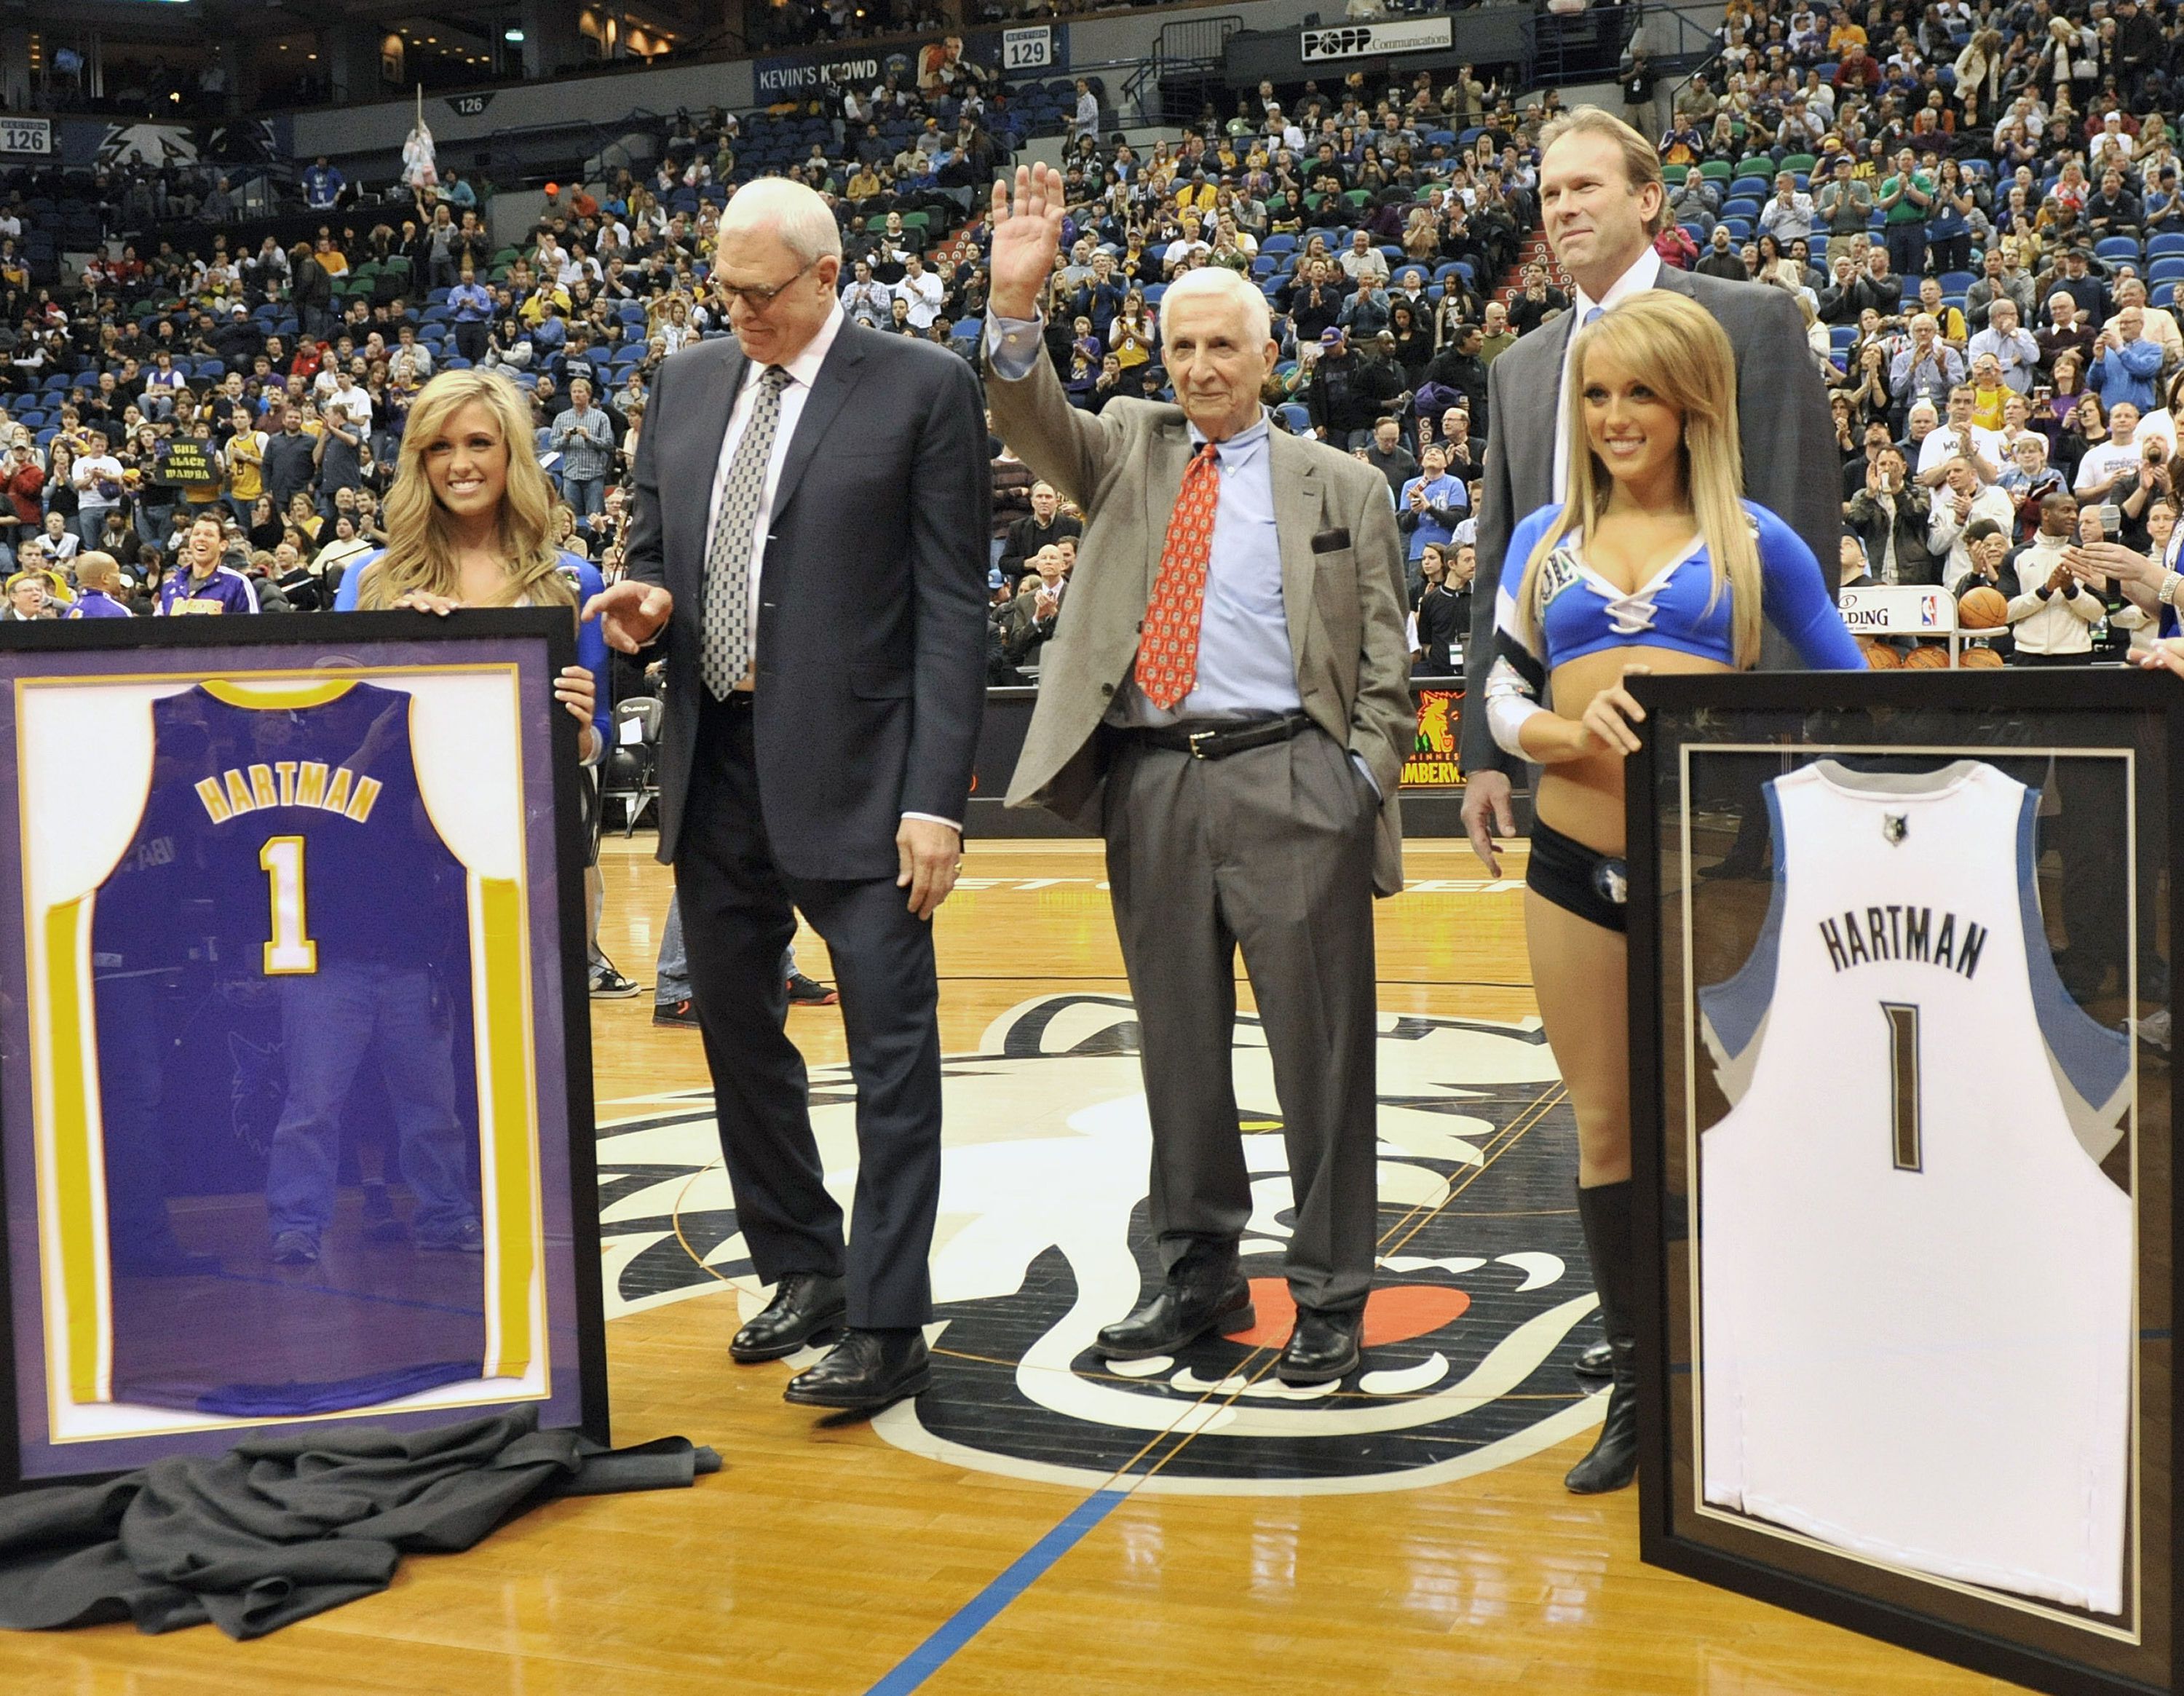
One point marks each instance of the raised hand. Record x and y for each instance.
(1027, 235)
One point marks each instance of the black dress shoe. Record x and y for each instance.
(1597, 1362)
(1324, 1347)
(865, 1372)
(805, 1304)
(1184, 1310)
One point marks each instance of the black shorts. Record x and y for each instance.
(1578, 879)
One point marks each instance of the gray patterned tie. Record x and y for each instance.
(729, 638)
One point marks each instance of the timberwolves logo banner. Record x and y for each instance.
(1476, 1316)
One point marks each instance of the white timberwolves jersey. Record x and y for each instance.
(1916, 1307)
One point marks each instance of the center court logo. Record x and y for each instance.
(1043, 1238)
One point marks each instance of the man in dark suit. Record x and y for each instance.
(814, 761)
(1601, 198)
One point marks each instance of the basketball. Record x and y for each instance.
(1880, 656)
(1976, 658)
(1927, 656)
(1983, 608)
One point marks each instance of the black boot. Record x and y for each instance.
(1605, 1212)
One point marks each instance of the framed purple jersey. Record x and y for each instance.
(291, 953)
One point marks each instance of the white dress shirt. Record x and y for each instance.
(1645, 271)
(803, 372)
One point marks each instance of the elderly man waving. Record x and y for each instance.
(1227, 698)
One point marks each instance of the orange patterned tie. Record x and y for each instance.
(1168, 652)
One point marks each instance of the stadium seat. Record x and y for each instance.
(1754, 188)
(2166, 268)
(1957, 282)
(2163, 294)
(1298, 420)
(1716, 170)
(1800, 163)
(2116, 248)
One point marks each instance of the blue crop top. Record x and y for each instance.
(1582, 613)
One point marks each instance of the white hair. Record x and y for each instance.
(792, 211)
(1229, 286)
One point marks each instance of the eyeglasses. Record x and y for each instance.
(758, 299)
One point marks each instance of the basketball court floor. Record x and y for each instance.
(1040, 1521)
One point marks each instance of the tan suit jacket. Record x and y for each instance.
(1342, 590)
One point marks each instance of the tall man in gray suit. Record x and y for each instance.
(1602, 201)
(1602, 198)
(1225, 697)
(816, 761)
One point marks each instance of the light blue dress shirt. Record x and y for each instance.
(1245, 667)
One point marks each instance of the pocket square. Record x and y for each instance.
(1330, 541)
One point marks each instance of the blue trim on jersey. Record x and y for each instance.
(591, 640)
(1736, 1007)
(2094, 1057)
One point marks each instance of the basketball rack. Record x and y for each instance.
(1922, 609)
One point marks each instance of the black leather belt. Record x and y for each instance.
(1218, 742)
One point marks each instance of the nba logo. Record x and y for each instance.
(1929, 615)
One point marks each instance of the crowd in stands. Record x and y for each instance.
(1978, 212)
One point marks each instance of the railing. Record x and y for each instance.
(1578, 46)
(510, 163)
(1183, 45)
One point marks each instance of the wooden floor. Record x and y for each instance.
(822, 1557)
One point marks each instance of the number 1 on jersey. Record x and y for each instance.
(1904, 1082)
(292, 952)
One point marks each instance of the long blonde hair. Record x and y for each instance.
(420, 547)
(1685, 358)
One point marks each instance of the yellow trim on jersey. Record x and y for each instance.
(72, 1197)
(79, 1173)
(275, 697)
(508, 1129)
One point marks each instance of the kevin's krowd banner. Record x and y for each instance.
(1366, 41)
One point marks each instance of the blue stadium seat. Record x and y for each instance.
(1957, 282)
(2166, 268)
(1757, 188)
(1298, 420)
(2163, 247)
(1739, 229)
(1288, 244)
(2116, 248)
(2163, 294)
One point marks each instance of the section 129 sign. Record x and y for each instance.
(1028, 49)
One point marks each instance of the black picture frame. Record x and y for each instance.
(1797, 713)
(538, 644)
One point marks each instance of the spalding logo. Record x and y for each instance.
(1042, 1238)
